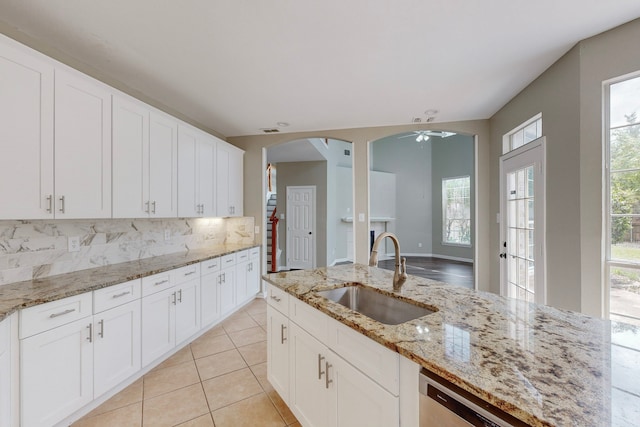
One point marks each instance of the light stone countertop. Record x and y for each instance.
(18, 295)
(546, 367)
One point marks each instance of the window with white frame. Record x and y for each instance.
(456, 211)
(525, 133)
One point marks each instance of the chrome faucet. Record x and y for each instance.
(400, 273)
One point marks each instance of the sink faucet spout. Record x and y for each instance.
(400, 272)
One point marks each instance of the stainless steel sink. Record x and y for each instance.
(383, 308)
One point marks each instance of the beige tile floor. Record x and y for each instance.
(220, 380)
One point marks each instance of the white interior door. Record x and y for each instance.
(522, 232)
(301, 212)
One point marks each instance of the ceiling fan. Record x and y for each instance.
(424, 135)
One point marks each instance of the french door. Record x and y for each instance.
(522, 200)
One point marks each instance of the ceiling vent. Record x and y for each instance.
(270, 130)
(416, 120)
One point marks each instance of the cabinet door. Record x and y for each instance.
(227, 290)
(117, 346)
(56, 373)
(26, 134)
(158, 325)
(242, 279)
(253, 279)
(5, 374)
(308, 392)
(187, 309)
(206, 177)
(223, 206)
(188, 178)
(82, 147)
(278, 352)
(209, 310)
(130, 159)
(163, 166)
(358, 400)
(236, 167)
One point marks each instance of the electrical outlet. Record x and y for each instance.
(419, 245)
(256, 229)
(167, 234)
(361, 217)
(74, 244)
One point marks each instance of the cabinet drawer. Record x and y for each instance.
(113, 296)
(43, 317)
(210, 266)
(184, 274)
(310, 319)
(227, 260)
(254, 253)
(278, 299)
(156, 283)
(374, 360)
(242, 256)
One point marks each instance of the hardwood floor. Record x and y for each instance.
(453, 272)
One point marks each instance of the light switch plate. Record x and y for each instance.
(361, 217)
(167, 234)
(74, 243)
(256, 229)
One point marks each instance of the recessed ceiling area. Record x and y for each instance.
(237, 67)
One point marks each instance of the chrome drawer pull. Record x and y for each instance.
(120, 294)
(320, 371)
(190, 273)
(90, 337)
(327, 381)
(276, 298)
(61, 204)
(213, 266)
(50, 203)
(62, 313)
(161, 282)
(282, 338)
(180, 295)
(101, 333)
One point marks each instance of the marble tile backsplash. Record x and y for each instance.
(39, 248)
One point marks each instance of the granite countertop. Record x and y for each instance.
(20, 295)
(546, 367)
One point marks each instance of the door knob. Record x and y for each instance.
(503, 255)
(309, 232)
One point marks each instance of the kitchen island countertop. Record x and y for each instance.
(546, 367)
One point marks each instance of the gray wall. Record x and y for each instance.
(339, 198)
(298, 174)
(452, 157)
(569, 95)
(411, 163)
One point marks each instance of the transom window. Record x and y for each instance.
(456, 211)
(525, 133)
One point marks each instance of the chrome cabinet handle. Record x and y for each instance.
(282, 337)
(120, 294)
(174, 298)
(224, 277)
(276, 298)
(50, 203)
(320, 371)
(101, 333)
(160, 282)
(61, 204)
(327, 381)
(212, 266)
(90, 337)
(189, 273)
(146, 204)
(153, 207)
(180, 295)
(62, 313)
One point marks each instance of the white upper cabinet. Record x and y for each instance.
(145, 147)
(196, 161)
(163, 165)
(82, 147)
(229, 182)
(26, 134)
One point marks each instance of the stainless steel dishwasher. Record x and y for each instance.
(446, 405)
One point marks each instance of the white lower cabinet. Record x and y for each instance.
(56, 373)
(278, 351)
(8, 417)
(321, 387)
(227, 290)
(116, 349)
(170, 310)
(209, 309)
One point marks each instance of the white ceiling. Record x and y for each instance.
(236, 66)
